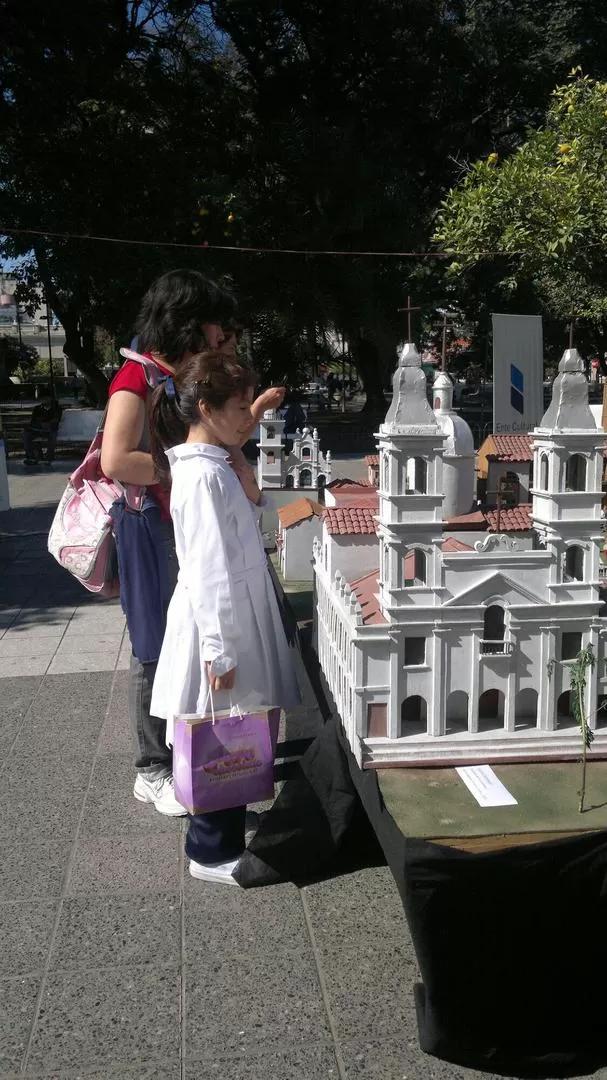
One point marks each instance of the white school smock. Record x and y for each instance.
(224, 608)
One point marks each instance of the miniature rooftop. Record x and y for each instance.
(296, 512)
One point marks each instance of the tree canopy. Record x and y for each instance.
(297, 125)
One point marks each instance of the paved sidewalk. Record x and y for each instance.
(116, 964)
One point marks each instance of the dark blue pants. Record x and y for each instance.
(217, 837)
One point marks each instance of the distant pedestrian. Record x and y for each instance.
(42, 428)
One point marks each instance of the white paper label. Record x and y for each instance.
(482, 782)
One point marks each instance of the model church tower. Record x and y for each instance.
(410, 492)
(305, 467)
(270, 464)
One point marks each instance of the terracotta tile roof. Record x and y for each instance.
(372, 459)
(345, 497)
(365, 589)
(512, 519)
(476, 520)
(451, 543)
(345, 482)
(350, 520)
(294, 512)
(509, 447)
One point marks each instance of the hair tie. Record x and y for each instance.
(169, 386)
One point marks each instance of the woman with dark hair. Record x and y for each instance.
(224, 634)
(182, 313)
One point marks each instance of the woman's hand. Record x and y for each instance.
(221, 682)
(272, 398)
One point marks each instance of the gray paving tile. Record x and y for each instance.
(48, 619)
(116, 734)
(17, 1008)
(258, 922)
(105, 641)
(32, 871)
(25, 934)
(23, 641)
(80, 697)
(88, 1018)
(111, 809)
(41, 793)
(310, 1061)
(264, 1000)
(12, 666)
(399, 1058)
(17, 694)
(366, 954)
(140, 864)
(117, 932)
(67, 713)
(102, 659)
(117, 1070)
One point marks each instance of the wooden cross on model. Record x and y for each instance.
(409, 309)
(446, 316)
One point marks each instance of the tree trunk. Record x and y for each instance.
(368, 364)
(80, 350)
(79, 340)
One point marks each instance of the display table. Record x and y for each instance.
(507, 906)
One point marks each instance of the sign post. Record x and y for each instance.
(518, 369)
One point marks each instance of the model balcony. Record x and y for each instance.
(496, 648)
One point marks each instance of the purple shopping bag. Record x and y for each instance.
(224, 761)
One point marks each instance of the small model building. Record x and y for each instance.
(304, 467)
(299, 525)
(440, 648)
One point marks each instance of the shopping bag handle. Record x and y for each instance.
(212, 703)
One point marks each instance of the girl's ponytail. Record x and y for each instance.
(167, 428)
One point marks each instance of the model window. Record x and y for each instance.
(415, 568)
(270, 457)
(571, 645)
(575, 479)
(305, 478)
(306, 453)
(415, 651)
(574, 563)
(493, 630)
(544, 472)
(271, 433)
(417, 476)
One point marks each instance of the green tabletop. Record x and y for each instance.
(435, 803)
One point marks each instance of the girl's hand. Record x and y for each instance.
(221, 682)
(270, 399)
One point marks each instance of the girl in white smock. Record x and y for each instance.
(224, 629)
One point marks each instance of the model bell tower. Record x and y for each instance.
(270, 463)
(567, 483)
(410, 447)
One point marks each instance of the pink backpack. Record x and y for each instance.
(81, 537)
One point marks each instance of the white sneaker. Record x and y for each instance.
(158, 790)
(221, 872)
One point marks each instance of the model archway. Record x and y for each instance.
(413, 715)
(525, 708)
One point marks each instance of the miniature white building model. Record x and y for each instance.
(270, 463)
(450, 652)
(458, 457)
(305, 467)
